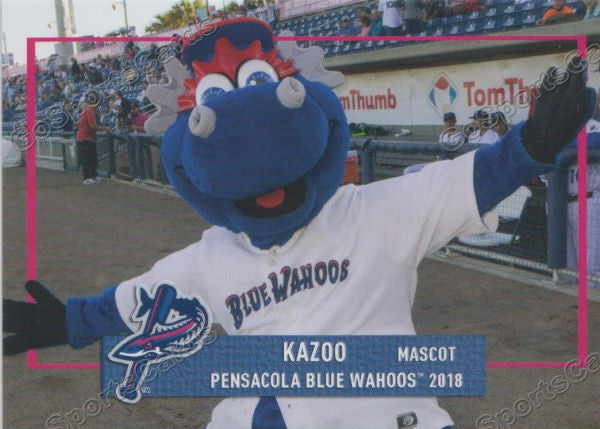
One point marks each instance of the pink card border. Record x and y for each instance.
(582, 327)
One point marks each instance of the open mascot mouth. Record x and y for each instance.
(279, 202)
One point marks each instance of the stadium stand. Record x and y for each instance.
(498, 16)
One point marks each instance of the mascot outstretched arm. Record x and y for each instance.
(255, 140)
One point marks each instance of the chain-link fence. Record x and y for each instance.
(537, 224)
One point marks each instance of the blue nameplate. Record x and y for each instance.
(313, 366)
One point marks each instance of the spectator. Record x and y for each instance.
(360, 12)
(376, 28)
(122, 107)
(241, 11)
(141, 96)
(7, 111)
(435, 9)
(137, 119)
(559, 13)
(250, 9)
(86, 142)
(451, 136)
(592, 9)
(272, 13)
(480, 130)
(104, 72)
(62, 73)
(413, 12)
(130, 51)
(51, 65)
(149, 72)
(346, 28)
(20, 104)
(460, 7)
(105, 114)
(392, 16)
(365, 26)
(116, 64)
(499, 123)
(261, 11)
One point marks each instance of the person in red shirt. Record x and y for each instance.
(137, 119)
(140, 152)
(86, 141)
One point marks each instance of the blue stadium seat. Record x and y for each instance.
(433, 22)
(455, 29)
(357, 46)
(454, 19)
(491, 12)
(509, 9)
(509, 21)
(529, 19)
(530, 5)
(438, 31)
(471, 27)
(489, 25)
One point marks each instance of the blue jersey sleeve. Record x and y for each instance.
(89, 319)
(499, 169)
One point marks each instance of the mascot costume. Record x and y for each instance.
(256, 141)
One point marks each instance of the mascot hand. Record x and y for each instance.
(35, 325)
(563, 107)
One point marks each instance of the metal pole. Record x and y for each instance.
(556, 256)
(125, 10)
(6, 55)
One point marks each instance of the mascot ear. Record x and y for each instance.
(309, 61)
(164, 97)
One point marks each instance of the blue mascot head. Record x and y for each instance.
(257, 143)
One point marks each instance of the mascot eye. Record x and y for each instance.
(256, 72)
(210, 86)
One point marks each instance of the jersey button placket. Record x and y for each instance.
(272, 257)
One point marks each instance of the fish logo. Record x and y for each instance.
(173, 326)
(442, 94)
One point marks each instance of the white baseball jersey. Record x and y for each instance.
(352, 270)
(391, 11)
(451, 137)
(272, 9)
(489, 137)
(593, 215)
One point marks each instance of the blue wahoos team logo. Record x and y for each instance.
(442, 94)
(173, 326)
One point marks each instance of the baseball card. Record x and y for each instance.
(301, 214)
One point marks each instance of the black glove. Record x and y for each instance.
(562, 109)
(35, 325)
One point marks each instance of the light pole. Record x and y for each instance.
(6, 54)
(124, 3)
